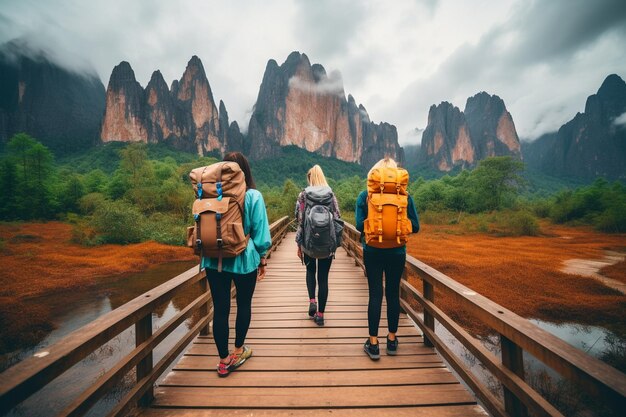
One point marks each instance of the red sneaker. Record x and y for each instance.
(223, 369)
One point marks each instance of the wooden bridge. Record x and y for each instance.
(301, 369)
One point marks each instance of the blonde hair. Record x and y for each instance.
(386, 162)
(315, 176)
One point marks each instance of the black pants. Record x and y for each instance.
(393, 266)
(322, 266)
(220, 284)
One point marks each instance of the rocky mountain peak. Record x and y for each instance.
(300, 104)
(184, 115)
(157, 87)
(446, 141)
(613, 86)
(122, 76)
(455, 138)
(60, 107)
(484, 103)
(592, 143)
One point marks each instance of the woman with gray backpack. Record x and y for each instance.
(318, 236)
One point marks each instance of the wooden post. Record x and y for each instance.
(143, 331)
(429, 320)
(204, 308)
(402, 292)
(513, 358)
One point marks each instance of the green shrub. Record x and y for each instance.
(438, 217)
(167, 229)
(90, 202)
(119, 222)
(612, 220)
(84, 231)
(516, 223)
(540, 208)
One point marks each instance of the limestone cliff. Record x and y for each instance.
(446, 142)
(125, 107)
(184, 115)
(460, 139)
(59, 107)
(300, 104)
(491, 127)
(590, 145)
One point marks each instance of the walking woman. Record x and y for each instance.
(244, 269)
(386, 215)
(318, 235)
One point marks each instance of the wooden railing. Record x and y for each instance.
(29, 376)
(600, 381)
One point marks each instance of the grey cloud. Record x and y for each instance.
(332, 84)
(620, 120)
(560, 28)
(533, 61)
(328, 26)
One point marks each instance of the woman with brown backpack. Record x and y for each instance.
(385, 216)
(318, 236)
(232, 235)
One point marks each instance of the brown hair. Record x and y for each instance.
(244, 165)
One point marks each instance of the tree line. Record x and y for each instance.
(123, 193)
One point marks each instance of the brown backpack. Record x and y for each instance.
(220, 191)
(387, 224)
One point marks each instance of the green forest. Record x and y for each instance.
(124, 193)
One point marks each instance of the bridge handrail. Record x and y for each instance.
(516, 334)
(30, 375)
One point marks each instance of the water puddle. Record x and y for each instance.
(591, 268)
(78, 308)
(595, 341)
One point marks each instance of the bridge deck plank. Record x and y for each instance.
(300, 368)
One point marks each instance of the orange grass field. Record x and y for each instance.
(39, 259)
(522, 273)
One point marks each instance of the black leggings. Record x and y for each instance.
(322, 266)
(220, 283)
(393, 266)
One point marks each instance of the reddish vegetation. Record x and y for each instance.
(616, 271)
(522, 273)
(44, 251)
(39, 259)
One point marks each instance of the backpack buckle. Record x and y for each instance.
(220, 242)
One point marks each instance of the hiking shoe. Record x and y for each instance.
(392, 346)
(372, 351)
(236, 360)
(312, 309)
(223, 369)
(319, 320)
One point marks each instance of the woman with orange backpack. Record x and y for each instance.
(318, 236)
(385, 216)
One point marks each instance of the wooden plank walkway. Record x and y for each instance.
(300, 369)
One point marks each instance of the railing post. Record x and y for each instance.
(204, 308)
(429, 320)
(143, 331)
(513, 358)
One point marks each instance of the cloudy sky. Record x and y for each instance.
(397, 57)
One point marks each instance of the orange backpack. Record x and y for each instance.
(387, 224)
(220, 191)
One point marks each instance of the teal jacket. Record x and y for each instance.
(256, 225)
(361, 214)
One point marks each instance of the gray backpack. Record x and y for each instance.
(321, 231)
